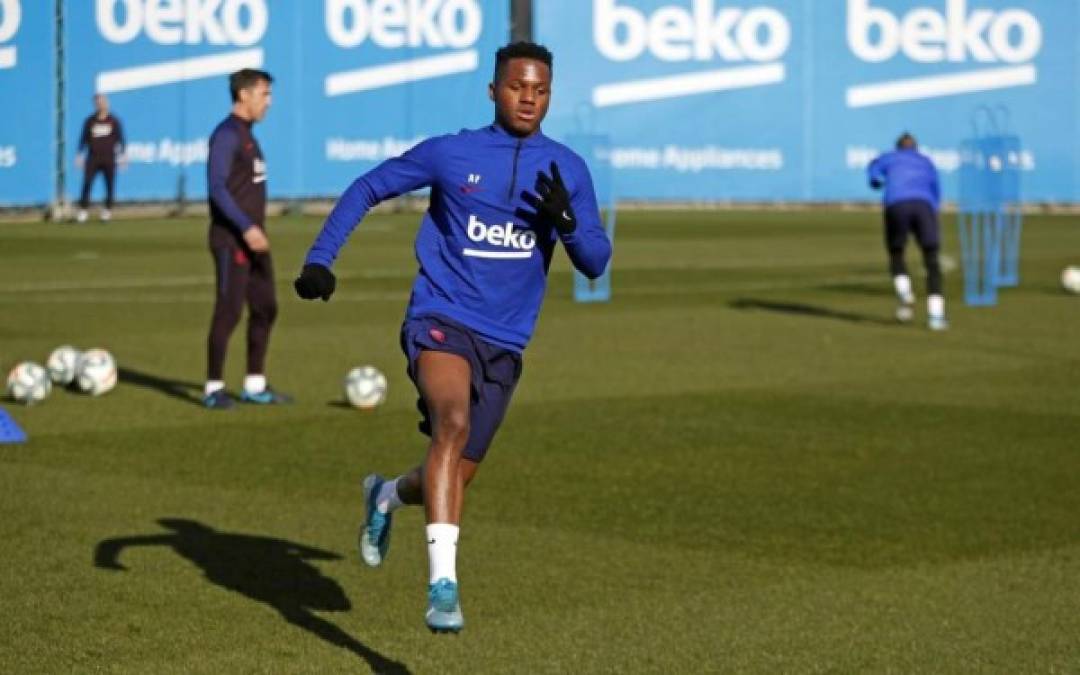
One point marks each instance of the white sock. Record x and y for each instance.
(902, 284)
(442, 551)
(935, 306)
(212, 386)
(255, 384)
(387, 501)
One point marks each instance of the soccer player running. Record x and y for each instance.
(502, 197)
(912, 196)
(236, 177)
(101, 148)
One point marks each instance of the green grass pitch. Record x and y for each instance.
(740, 464)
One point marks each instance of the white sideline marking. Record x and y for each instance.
(412, 70)
(183, 298)
(170, 282)
(934, 86)
(106, 284)
(182, 70)
(207, 298)
(652, 89)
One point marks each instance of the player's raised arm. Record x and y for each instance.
(107, 552)
(576, 217)
(876, 173)
(397, 176)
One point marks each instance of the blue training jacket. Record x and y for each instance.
(483, 255)
(906, 175)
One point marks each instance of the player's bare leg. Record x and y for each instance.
(383, 497)
(445, 383)
(409, 487)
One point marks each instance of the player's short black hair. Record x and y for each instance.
(522, 50)
(245, 79)
(906, 140)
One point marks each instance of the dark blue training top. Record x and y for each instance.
(236, 177)
(906, 175)
(483, 256)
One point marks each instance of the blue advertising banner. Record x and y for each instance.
(26, 77)
(380, 76)
(741, 100)
(164, 66)
(356, 81)
(790, 99)
(703, 99)
(893, 66)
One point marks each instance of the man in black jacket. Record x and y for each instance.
(101, 148)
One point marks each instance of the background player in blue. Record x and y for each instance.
(502, 197)
(236, 188)
(912, 197)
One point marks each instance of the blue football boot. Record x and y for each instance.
(265, 397)
(375, 534)
(218, 400)
(444, 611)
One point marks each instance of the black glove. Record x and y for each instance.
(554, 200)
(315, 281)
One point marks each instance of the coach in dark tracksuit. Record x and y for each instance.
(912, 196)
(101, 146)
(236, 176)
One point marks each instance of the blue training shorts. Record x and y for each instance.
(495, 374)
(912, 216)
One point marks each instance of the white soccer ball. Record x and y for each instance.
(96, 372)
(28, 383)
(365, 387)
(1070, 279)
(62, 364)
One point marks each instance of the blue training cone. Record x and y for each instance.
(10, 431)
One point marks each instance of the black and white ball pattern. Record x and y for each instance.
(28, 383)
(365, 387)
(96, 372)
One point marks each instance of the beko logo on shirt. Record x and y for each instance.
(403, 24)
(958, 35)
(702, 32)
(239, 23)
(10, 18)
(520, 242)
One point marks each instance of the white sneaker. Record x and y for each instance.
(938, 323)
(106, 215)
(906, 311)
(81, 216)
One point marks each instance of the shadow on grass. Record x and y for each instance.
(876, 290)
(190, 392)
(801, 309)
(271, 571)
